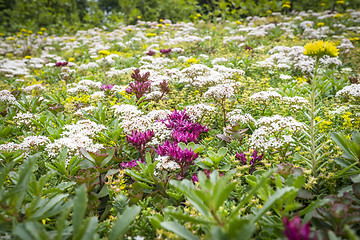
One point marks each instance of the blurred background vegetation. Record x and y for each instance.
(77, 14)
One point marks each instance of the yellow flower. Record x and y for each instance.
(10, 38)
(160, 25)
(71, 59)
(40, 33)
(104, 52)
(193, 60)
(198, 15)
(323, 4)
(161, 20)
(23, 30)
(238, 22)
(338, 15)
(151, 34)
(129, 29)
(30, 32)
(340, 2)
(42, 29)
(320, 49)
(285, 5)
(27, 57)
(139, 17)
(268, 11)
(320, 24)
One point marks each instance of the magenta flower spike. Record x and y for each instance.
(294, 230)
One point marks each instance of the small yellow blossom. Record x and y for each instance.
(320, 24)
(268, 11)
(129, 29)
(104, 52)
(151, 34)
(71, 59)
(340, 2)
(238, 22)
(193, 60)
(160, 25)
(139, 17)
(42, 29)
(27, 57)
(338, 15)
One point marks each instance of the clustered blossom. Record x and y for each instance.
(165, 163)
(295, 103)
(265, 96)
(139, 140)
(141, 84)
(295, 231)
(236, 117)
(126, 111)
(24, 118)
(131, 164)
(274, 132)
(198, 111)
(6, 97)
(183, 129)
(29, 144)
(31, 88)
(61, 64)
(79, 89)
(75, 137)
(253, 162)
(350, 91)
(183, 157)
(220, 92)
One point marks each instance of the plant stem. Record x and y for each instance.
(312, 119)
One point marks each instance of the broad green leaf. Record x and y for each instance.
(179, 230)
(123, 222)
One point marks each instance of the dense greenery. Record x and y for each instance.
(75, 14)
(222, 126)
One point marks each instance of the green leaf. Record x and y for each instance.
(179, 230)
(123, 222)
(80, 202)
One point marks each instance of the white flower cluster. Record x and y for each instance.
(23, 118)
(136, 123)
(162, 133)
(236, 117)
(79, 89)
(75, 137)
(31, 88)
(198, 111)
(353, 90)
(90, 83)
(200, 75)
(158, 114)
(29, 144)
(6, 97)
(296, 102)
(274, 132)
(89, 110)
(126, 111)
(164, 163)
(338, 111)
(265, 96)
(34, 142)
(219, 92)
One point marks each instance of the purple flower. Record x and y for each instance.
(255, 160)
(141, 84)
(106, 87)
(139, 140)
(183, 157)
(150, 53)
(294, 230)
(194, 178)
(165, 51)
(184, 130)
(131, 164)
(61, 64)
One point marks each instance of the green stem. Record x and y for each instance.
(312, 118)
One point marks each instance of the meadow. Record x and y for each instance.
(207, 129)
